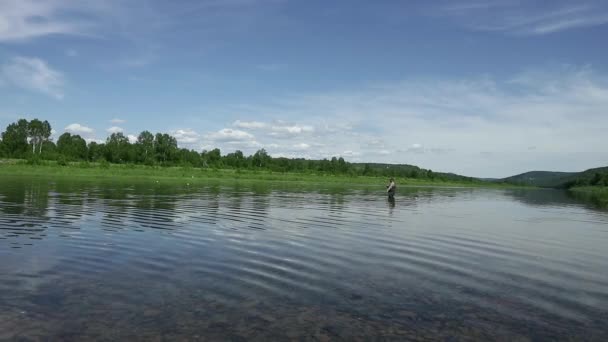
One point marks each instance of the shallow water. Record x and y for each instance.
(258, 261)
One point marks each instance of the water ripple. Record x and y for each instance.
(433, 253)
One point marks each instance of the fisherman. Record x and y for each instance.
(391, 187)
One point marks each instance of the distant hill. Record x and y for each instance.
(538, 178)
(551, 179)
(406, 170)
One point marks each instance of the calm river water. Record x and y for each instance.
(257, 261)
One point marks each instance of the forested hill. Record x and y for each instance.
(538, 178)
(595, 176)
(408, 171)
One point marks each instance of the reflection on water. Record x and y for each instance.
(123, 261)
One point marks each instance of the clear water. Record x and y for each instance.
(257, 261)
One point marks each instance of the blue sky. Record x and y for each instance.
(479, 88)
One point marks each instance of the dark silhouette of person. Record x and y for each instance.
(391, 188)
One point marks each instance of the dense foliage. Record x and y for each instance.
(31, 140)
(591, 177)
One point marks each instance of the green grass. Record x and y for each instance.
(598, 191)
(196, 175)
(596, 194)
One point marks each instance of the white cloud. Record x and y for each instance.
(277, 129)
(250, 124)
(186, 136)
(77, 128)
(28, 19)
(114, 129)
(418, 148)
(132, 138)
(98, 141)
(301, 146)
(281, 129)
(33, 74)
(350, 154)
(228, 135)
(117, 121)
(516, 18)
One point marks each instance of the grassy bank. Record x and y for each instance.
(594, 190)
(196, 175)
(598, 194)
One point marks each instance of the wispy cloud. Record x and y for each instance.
(33, 74)
(250, 124)
(117, 121)
(278, 128)
(28, 19)
(446, 124)
(526, 18)
(229, 135)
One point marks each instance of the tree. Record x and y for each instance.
(14, 138)
(235, 159)
(261, 158)
(342, 165)
(165, 147)
(214, 157)
(117, 148)
(73, 147)
(38, 132)
(145, 147)
(3, 152)
(96, 151)
(597, 179)
(48, 150)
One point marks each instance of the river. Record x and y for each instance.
(140, 260)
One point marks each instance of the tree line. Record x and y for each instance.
(32, 140)
(596, 179)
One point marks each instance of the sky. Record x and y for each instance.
(479, 88)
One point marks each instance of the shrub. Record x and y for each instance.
(62, 160)
(34, 160)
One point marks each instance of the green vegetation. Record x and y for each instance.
(539, 178)
(596, 194)
(191, 175)
(590, 185)
(31, 141)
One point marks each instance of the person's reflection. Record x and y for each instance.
(391, 204)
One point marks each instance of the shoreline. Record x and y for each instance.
(92, 171)
(596, 193)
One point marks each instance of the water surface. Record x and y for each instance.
(260, 261)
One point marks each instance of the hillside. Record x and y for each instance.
(595, 176)
(408, 171)
(539, 178)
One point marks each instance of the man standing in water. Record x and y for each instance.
(391, 187)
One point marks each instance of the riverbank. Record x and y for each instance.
(197, 175)
(598, 194)
(599, 191)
